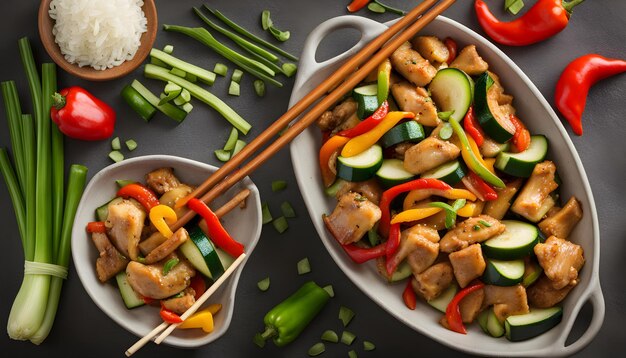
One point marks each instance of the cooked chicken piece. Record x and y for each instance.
(541, 294)
(468, 264)
(109, 261)
(561, 260)
(454, 139)
(162, 180)
(180, 305)
(369, 189)
(471, 305)
(124, 226)
(353, 216)
(400, 149)
(498, 208)
(171, 197)
(431, 48)
(419, 245)
(329, 120)
(149, 281)
(433, 281)
(507, 301)
(469, 61)
(502, 98)
(415, 99)
(466, 233)
(534, 200)
(428, 154)
(170, 245)
(562, 223)
(410, 64)
(152, 242)
(490, 148)
(350, 122)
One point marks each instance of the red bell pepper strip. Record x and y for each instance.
(96, 226)
(216, 231)
(393, 241)
(573, 85)
(198, 285)
(452, 49)
(480, 188)
(169, 316)
(472, 127)
(360, 254)
(357, 5)
(367, 124)
(148, 300)
(453, 311)
(408, 296)
(393, 192)
(331, 148)
(545, 19)
(521, 138)
(142, 194)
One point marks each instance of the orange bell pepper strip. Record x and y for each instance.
(521, 138)
(96, 226)
(330, 148)
(161, 217)
(362, 142)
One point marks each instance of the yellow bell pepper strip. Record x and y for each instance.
(361, 143)
(415, 196)
(384, 80)
(471, 209)
(161, 217)
(214, 308)
(476, 152)
(489, 163)
(201, 319)
(471, 159)
(414, 214)
(331, 146)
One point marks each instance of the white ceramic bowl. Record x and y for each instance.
(537, 115)
(244, 225)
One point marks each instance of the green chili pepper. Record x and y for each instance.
(288, 319)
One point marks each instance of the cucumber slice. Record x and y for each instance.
(225, 258)
(517, 240)
(441, 302)
(366, 99)
(410, 131)
(367, 90)
(403, 271)
(522, 164)
(491, 148)
(482, 318)
(451, 89)
(496, 126)
(131, 298)
(450, 172)
(532, 324)
(494, 327)
(102, 213)
(361, 166)
(202, 254)
(503, 273)
(392, 173)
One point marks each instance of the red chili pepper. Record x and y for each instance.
(142, 194)
(80, 115)
(198, 285)
(169, 316)
(357, 5)
(483, 190)
(360, 254)
(573, 85)
(367, 124)
(96, 226)
(521, 138)
(453, 311)
(391, 193)
(545, 19)
(472, 127)
(216, 231)
(452, 49)
(408, 296)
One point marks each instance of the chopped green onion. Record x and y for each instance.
(222, 155)
(233, 89)
(450, 211)
(157, 62)
(265, 213)
(304, 266)
(279, 185)
(232, 139)
(237, 74)
(352, 354)
(513, 6)
(476, 227)
(368, 346)
(287, 210)
(280, 35)
(187, 107)
(168, 49)
(264, 284)
(169, 265)
(280, 224)
(329, 289)
(191, 77)
(446, 131)
(289, 69)
(205, 76)
(178, 72)
(115, 144)
(458, 204)
(390, 8)
(239, 144)
(374, 7)
(116, 156)
(444, 116)
(266, 21)
(259, 340)
(168, 109)
(259, 88)
(330, 336)
(220, 69)
(347, 337)
(172, 87)
(484, 223)
(171, 91)
(182, 98)
(345, 315)
(317, 349)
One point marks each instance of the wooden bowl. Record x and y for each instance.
(87, 72)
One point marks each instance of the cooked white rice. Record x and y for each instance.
(98, 33)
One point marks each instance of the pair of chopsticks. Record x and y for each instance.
(366, 60)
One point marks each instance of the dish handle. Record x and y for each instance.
(597, 301)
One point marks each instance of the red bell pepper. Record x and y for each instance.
(142, 194)
(479, 187)
(391, 247)
(80, 115)
(330, 148)
(472, 127)
(357, 5)
(360, 254)
(521, 138)
(169, 316)
(216, 231)
(96, 226)
(453, 311)
(367, 124)
(452, 49)
(408, 296)
(198, 285)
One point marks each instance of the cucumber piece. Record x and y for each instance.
(517, 240)
(392, 173)
(482, 318)
(532, 272)
(441, 302)
(361, 166)
(450, 172)
(367, 90)
(522, 164)
(494, 327)
(102, 212)
(532, 324)
(495, 125)
(178, 72)
(410, 131)
(402, 272)
(335, 187)
(202, 254)
(200, 73)
(225, 258)
(366, 99)
(168, 109)
(131, 298)
(451, 89)
(503, 273)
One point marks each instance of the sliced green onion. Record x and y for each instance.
(458, 204)
(187, 107)
(278, 185)
(281, 36)
(266, 20)
(232, 139)
(169, 265)
(329, 289)
(168, 109)
(280, 224)
(259, 340)
(220, 69)
(239, 144)
(368, 346)
(265, 213)
(484, 223)
(289, 69)
(234, 89)
(374, 7)
(178, 72)
(330, 336)
(131, 144)
(183, 97)
(191, 77)
(444, 116)
(237, 74)
(352, 354)
(304, 266)
(345, 315)
(222, 155)
(446, 131)
(287, 210)
(259, 88)
(390, 8)
(116, 144)
(116, 156)
(476, 227)
(168, 49)
(157, 62)
(450, 210)
(205, 76)
(317, 349)
(264, 284)
(347, 337)
(513, 6)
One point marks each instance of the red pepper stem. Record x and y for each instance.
(269, 333)
(569, 5)
(58, 100)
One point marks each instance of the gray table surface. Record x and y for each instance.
(81, 329)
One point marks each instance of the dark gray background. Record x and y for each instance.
(81, 329)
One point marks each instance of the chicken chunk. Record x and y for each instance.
(419, 245)
(561, 260)
(562, 223)
(369, 189)
(124, 226)
(350, 122)
(428, 154)
(152, 242)
(534, 200)
(465, 233)
(436, 221)
(415, 99)
(149, 281)
(400, 149)
(470, 62)
(431, 48)
(410, 64)
(168, 246)
(471, 305)
(433, 281)
(542, 295)
(498, 208)
(162, 180)
(507, 301)
(180, 305)
(353, 216)
(109, 261)
(330, 120)
(468, 264)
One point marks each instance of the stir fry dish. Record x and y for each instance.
(439, 182)
(152, 264)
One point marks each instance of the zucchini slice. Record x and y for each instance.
(452, 89)
(366, 99)
(504, 273)
(403, 271)
(410, 131)
(482, 318)
(495, 124)
(392, 173)
(494, 327)
(131, 298)
(532, 324)
(202, 254)
(361, 166)
(102, 212)
(451, 172)
(441, 302)
(522, 164)
(517, 240)
(532, 272)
